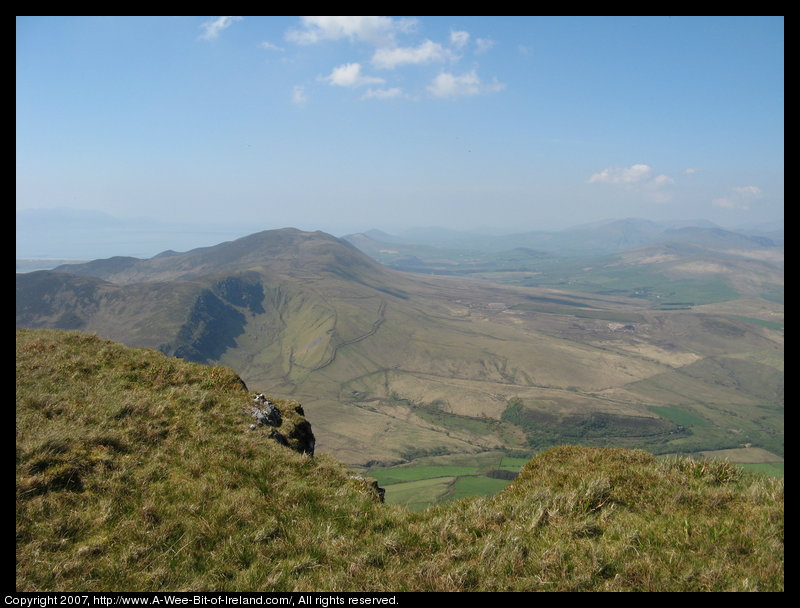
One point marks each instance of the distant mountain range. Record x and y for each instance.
(392, 366)
(82, 234)
(593, 239)
(636, 258)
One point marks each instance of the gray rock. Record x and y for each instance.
(266, 412)
(286, 421)
(269, 416)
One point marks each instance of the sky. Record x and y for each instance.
(344, 124)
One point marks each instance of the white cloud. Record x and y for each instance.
(662, 180)
(270, 46)
(379, 31)
(349, 75)
(749, 192)
(213, 27)
(426, 52)
(483, 44)
(739, 198)
(629, 175)
(726, 203)
(691, 171)
(449, 85)
(383, 93)
(638, 178)
(494, 87)
(459, 38)
(299, 96)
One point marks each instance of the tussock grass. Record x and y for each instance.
(139, 472)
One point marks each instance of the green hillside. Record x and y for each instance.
(135, 471)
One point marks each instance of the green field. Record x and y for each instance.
(418, 495)
(477, 485)
(773, 469)
(447, 478)
(768, 324)
(583, 313)
(679, 416)
(418, 487)
(754, 459)
(421, 494)
(415, 473)
(645, 282)
(424, 492)
(512, 464)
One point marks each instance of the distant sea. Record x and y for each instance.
(32, 264)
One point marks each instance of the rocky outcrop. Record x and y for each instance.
(265, 411)
(372, 486)
(284, 421)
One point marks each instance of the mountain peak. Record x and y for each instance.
(286, 250)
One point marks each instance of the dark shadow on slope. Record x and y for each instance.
(217, 318)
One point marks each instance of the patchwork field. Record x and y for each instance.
(446, 478)
(752, 459)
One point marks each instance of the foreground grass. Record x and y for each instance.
(140, 472)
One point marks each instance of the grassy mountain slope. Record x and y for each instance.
(140, 472)
(392, 367)
(289, 252)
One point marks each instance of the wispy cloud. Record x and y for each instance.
(213, 27)
(459, 38)
(379, 31)
(299, 97)
(388, 53)
(482, 45)
(740, 198)
(269, 46)
(662, 180)
(751, 192)
(626, 175)
(349, 75)
(383, 93)
(639, 178)
(426, 52)
(691, 170)
(447, 85)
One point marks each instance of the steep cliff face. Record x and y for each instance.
(216, 318)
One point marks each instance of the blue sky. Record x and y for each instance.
(349, 123)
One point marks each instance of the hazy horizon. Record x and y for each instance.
(78, 234)
(345, 124)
